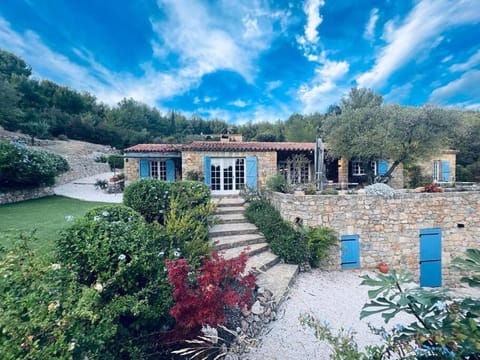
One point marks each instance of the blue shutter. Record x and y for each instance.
(170, 165)
(207, 164)
(382, 167)
(252, 172)
(144, 169)
(350, 251)
(446, 170)
(431, 257)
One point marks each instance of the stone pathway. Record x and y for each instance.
(234, 234)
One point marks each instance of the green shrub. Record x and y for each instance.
(113, 250)
(115, 161)
(319, 241)
(151, 198)
(22, 167)
(284, 240)
(45, 313)
(193, 175)
(277, 183)
(329, 192)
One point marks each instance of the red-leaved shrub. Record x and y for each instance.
(202, 295)
(432, 188)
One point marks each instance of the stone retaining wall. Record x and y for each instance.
(22, 195)
(389, 229)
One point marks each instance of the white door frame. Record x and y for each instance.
(223, 180)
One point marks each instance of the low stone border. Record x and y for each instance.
(22, 195)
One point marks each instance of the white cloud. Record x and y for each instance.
(466, 85)
(473, 61)
(420, 29)
(312, 10)
(447, 58)
(272, 85)
(239, 103)
(369, 32)
(323, 90)
(399, 93)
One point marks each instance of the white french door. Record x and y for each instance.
(227, 175)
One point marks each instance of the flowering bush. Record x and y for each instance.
(22, 167)
(202, 295)
(152, 198)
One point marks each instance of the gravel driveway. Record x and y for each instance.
(84, 189)
(336, 297)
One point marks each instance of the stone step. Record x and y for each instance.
(232, 229)
(278, 280)
(262, 261)
(251, 250)
(226, 202)
(231, 218)
(231, 241)
(230, 210)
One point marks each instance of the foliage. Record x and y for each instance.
(415, 176)
(310, 189)
(45, 313)
(22, 167)
(203, 294)
(115, 161)
(101, 184)
(367, 130)
(151, 198)
(319, 241)
(446, 327)
(284, 240)
(277, 183)
(114, 251)
(193, 175)
(380, 189)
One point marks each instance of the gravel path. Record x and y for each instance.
(335, 297)
(84, 189)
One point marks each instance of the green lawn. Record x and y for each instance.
(46, 215)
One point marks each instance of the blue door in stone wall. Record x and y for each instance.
(431, 257)
(350, 251)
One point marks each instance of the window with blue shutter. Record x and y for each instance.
(382, 167)
(207, 163)
(144, 169)
(170, 170)
(446, 170)
(252, 172)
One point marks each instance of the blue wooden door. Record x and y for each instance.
(350, 251)
(252, 172)
(431, 257)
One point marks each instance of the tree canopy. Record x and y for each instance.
(366, 130)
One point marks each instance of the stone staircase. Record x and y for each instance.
(234, 234)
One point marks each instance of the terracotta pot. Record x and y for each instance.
(383, 268)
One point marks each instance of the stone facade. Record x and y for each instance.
(389, 229)
(131, 169)
(267, 161)
(449, 155)
(22, 195)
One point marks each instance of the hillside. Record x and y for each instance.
(80, 155)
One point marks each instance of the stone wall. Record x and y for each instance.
(267, 161)
(131, 169)
(389, 229)
(22, 195)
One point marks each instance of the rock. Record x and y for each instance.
(257, 308)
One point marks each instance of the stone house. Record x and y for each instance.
(226, 166)
(231, 164)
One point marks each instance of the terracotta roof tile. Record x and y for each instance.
(155, 148)
(248, 146)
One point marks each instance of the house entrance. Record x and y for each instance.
(227, 175)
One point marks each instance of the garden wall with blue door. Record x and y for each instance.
(420, 232)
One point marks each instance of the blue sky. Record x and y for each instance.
(251, 60)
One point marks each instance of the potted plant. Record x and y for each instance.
(383, 267)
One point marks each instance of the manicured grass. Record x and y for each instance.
(46, 215)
